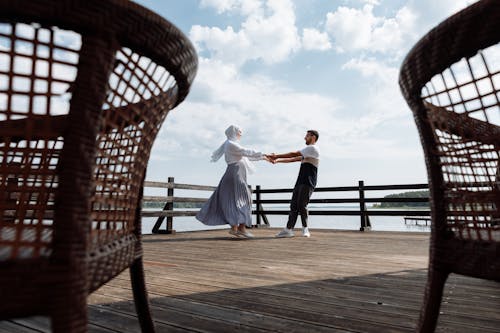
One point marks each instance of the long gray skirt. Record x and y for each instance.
(231, 202)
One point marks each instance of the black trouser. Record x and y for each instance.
(298, 205)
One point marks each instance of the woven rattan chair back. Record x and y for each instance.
(451, 81)
(84, 88)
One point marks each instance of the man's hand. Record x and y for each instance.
(271, 158)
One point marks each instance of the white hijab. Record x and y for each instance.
(232, 135)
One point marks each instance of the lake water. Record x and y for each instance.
(379, 223)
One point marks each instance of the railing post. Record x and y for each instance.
(170, 205)
(257, 204)
(365, 222)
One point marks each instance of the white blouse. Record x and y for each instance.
(234, 152)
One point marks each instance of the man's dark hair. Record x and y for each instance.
(315, 133)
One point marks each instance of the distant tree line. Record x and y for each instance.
(411, 194)
(160, 205)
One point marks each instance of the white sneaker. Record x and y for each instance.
(245, 234)
(285, 233)
(305, 232)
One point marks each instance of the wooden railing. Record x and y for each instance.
(168, 209)
(361, 199)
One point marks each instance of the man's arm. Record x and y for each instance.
(288, 160)
(294, 156)
(288, 155)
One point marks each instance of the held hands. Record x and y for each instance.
(271, 158)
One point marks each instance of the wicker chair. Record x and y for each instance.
(451, 81)
(84, 88)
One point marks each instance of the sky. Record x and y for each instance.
(277, 68)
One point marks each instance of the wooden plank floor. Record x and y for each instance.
(335, 281)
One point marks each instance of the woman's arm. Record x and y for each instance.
(253, 155)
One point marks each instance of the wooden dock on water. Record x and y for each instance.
(335, 281)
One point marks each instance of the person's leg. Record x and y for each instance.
(304, 193)
(292, 217)
(234, 230)
(242, 227)
(294, 212)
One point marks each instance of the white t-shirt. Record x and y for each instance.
(310, 154)
(310, 151)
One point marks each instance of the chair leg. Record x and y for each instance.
(70, 315)
(432, 300)
(141, 296)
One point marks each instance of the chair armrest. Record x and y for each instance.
(470, 129)
(36, 127)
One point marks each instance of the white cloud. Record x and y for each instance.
(351, 28)
(224, 45)
(359, 29)
(268, 33)
(244, 7)
(220, 5)
(313, 39)
(273, 117)
(373, 68)
(382, 96)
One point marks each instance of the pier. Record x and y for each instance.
(335, 281)
(417, 220)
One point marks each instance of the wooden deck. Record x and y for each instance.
(335, 281)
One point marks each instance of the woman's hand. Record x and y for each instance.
(270, 158)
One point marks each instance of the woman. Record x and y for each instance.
(231, 202)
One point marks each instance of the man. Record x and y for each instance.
(305, 184)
